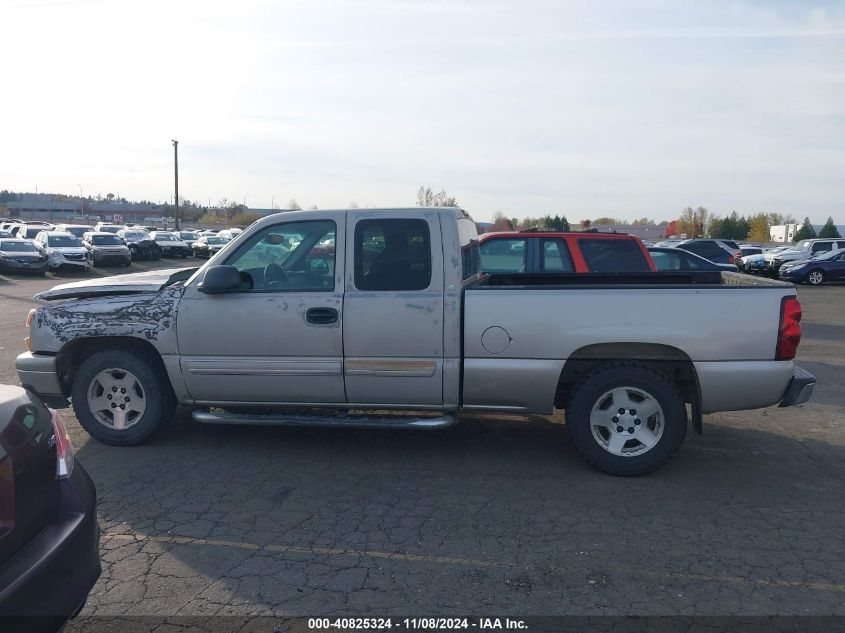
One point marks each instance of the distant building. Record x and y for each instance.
(783, 232)
(651, 233)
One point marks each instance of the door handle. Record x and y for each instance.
(321, 316)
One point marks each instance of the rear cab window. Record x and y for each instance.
(392, 254)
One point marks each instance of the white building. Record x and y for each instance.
(783, 232)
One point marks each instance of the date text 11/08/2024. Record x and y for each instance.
(426, 624)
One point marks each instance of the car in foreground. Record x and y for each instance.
(397, 316)
(63, 249)
(106, 249)
(562, 252)
(141, 245)
(21, 256)
(170, 243)
(666, 258)
(829, 266)
(208, 245)
(6, 234)
(49, 537)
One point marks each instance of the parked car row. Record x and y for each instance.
(36, 247)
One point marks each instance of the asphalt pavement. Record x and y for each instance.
(497, 515)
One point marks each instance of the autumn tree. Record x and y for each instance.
(500, 222)
(605, 220)
(759, 228)
(293, 205)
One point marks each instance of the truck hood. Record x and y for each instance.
(134, 283)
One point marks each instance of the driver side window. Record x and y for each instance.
(290, 256)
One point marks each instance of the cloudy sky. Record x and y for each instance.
(615, 107)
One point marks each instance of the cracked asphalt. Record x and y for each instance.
(496, 515)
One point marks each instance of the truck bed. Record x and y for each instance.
(712, 278)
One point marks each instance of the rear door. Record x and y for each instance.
(393, 309)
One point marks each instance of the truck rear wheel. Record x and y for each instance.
(121, 396)
(626, 419)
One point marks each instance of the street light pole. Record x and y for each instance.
(81, 202)
(176, 178)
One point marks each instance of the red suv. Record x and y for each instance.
(563, 252)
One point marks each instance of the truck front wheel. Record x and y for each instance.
(626, 419)
(121, 396)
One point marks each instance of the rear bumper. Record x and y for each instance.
(51, 577)
(38, 373)
(800, 388)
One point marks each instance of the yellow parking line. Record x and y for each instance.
(817, 585)
(322, 551)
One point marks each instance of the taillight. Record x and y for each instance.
(731, 259)
(789, 333)
(64, 448)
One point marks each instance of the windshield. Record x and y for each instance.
(136, 235)
(62, 241)
(215, 240)
(187, 235)
(78, 231)
(109, 228)
(105, 240)
(17, 247)
(803, 245)
(165, 237)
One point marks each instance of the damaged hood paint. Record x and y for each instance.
(135, 283)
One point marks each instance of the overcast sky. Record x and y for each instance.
(616, 108)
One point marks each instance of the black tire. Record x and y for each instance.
(638, 376)
(815, 277)
(160, 402)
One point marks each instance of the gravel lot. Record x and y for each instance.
(493, 516)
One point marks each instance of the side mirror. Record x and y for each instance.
(220, 279)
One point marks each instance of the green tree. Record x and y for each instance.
(829, 229)
(806, 232)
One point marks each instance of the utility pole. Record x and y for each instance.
(176, 178)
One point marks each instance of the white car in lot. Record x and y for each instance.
(230, 234)
(63, 249)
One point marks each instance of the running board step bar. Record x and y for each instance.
(362, 422)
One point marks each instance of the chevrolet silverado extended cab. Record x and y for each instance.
(310, 313)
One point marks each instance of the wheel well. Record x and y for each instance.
(74, 353)
(671, 361)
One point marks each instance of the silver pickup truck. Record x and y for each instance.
(381, 318)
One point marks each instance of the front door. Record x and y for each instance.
(278, 339)
(393, 309)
